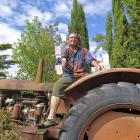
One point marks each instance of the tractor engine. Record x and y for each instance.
(27, 108)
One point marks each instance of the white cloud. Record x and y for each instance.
(25, 11)
(6, 7)
(69, 2)
(62, 10)
(92, 45)
(61, 7)
(5, 11)
(48, 16)
(106, 61)
(8, 34)
(7, 52)
(93, 25)
(13, 3)
(63, 36)
(20, 20)
(13, 69)
(63, 27)
(98, 8)
(29, 12)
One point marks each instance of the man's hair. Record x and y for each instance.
(79, 38)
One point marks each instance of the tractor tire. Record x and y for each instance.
(105, 98)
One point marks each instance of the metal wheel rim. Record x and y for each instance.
(101, 111)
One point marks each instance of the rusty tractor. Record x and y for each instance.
(101, 106)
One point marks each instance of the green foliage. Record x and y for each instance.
(109, 37)
(5, 46)
(119, 54)
(7, 127)
(5, 64)
(124, 48)
(125, 53)
(102, 42)
(78, 25)
(133, 10)
(37, 43)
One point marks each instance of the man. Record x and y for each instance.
(73, 66)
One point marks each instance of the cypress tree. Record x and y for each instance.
(133, 10)
(78, 25)
(109, 36)
(121, 41)
(5, 64)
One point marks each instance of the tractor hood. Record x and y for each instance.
(24, 85)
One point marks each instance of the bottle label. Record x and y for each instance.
(59, 69)
(58, 51)
(58, 60)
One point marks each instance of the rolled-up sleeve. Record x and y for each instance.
(88, 57)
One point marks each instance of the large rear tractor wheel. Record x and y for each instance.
(111, 112)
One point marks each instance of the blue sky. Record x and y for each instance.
(13, 15)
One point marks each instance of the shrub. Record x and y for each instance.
(7, 127)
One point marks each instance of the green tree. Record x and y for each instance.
(37, 43)
(106, 42)
(133, 10)
(4, 63)
(78, 25)
(109, 37)
(121, 41)
(101, 40)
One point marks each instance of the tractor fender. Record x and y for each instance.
(94, 80)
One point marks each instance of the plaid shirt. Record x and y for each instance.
(75, 66)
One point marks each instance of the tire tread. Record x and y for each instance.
(105, 92)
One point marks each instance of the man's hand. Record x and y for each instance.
(100, 67)
(63, 64)
(95, 64)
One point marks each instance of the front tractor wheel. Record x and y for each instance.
(111, 112)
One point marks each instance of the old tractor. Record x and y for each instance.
(101, 106)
